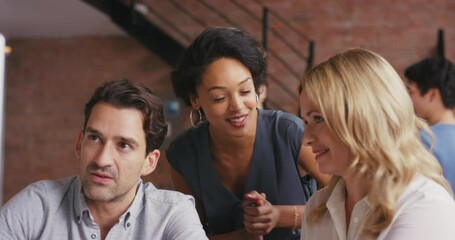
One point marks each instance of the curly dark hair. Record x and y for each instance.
(212, 44)
(434, 72)
(128, 94)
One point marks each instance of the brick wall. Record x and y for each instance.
(49, 80)
(402, 31)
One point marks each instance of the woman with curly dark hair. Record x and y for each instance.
(239, 162)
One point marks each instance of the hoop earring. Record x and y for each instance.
(198, 123)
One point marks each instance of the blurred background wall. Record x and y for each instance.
(63, 49)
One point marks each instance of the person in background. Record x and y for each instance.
(360, 123)
(123, 128)
(239, 162)
(431, 85)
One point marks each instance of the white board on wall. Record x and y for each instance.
(2, 110)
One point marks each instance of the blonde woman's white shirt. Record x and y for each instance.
(425, 211)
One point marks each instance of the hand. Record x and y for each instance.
(259, 215)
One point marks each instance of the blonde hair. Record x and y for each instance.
(365, 103)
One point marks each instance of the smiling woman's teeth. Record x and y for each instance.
(237, 119)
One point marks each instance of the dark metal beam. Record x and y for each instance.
(310, 60)
(139, 27)
(440, 45)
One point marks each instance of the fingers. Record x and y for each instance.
(258, 228)
(255, 216)
(254, 198)
(254, 210)
(258, 218)
(252, 235)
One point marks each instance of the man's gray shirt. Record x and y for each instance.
(57, 210)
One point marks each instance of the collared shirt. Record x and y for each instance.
(58, 210)
(425, 210)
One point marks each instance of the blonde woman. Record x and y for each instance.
(361, 125)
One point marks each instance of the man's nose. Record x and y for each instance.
(105, 156)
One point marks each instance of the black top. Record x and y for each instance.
(273, 171)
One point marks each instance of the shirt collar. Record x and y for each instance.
(135, 209)
(338, 196)
(336, 207)
(80, 205)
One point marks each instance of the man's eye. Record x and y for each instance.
(124, 145)
(93, 138)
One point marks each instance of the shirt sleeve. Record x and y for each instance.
(184, 222)
(291, 128)
(426, 139)
(21, 217)
(424, 217)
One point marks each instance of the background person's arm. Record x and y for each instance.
(180, 185)
(308, 165)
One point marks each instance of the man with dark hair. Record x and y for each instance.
(431, 84)
(123, 128)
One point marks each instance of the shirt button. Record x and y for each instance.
(128, 224)
(93, 236)
(356, 220)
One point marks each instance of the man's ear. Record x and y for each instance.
(80, 137)
(435, 94)
(151, 161)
